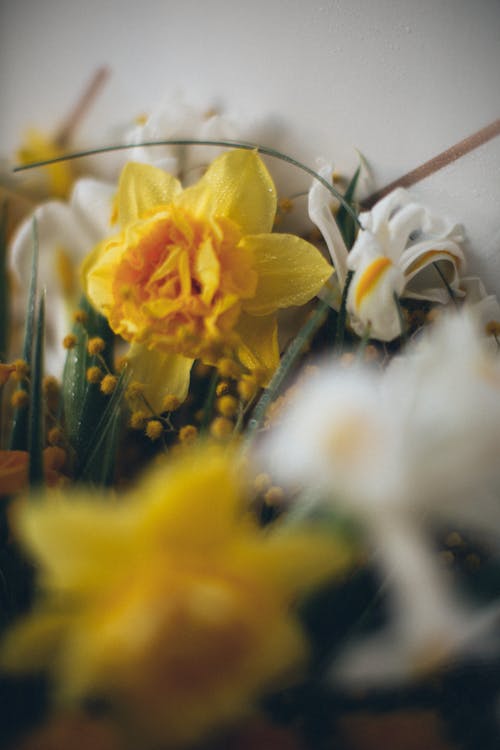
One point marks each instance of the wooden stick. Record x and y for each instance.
(87, 97)
(438, 162)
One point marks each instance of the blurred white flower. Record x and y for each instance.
(66, 233)
(400, 451)
(172, 119)
(178, 120)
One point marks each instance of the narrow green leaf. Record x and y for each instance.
(20, 422)
(4, 286)
(342, 317)
(36, 410)
(449, 289)
(245, 145)
(208, 406)
(99, 462)
(345, 220)
(83, 402)
(289, 358)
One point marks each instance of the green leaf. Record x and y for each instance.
(99, 463)
(345, 220)
(36, 410)
(20, 423)
(289, 358)
(4, 286)
(83, 402)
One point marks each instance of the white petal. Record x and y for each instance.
(92, 201)
(320, 213)
(382, 211)
(57, 228)
(404, 222)
(377, 310)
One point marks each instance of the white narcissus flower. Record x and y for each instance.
(66, 232)
(400, 451)
(393, 255)
(178, 120)
(171, 120)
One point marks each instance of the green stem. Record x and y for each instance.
(245, 145)
(287, 361)
(209, 402)
(443, 278)
(341, 320)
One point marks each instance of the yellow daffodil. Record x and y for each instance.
(173, 606)
(196, 273)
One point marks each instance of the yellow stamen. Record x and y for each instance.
(227, 406)
(221, 428)
(138, 420)
(70, 341)
(154, 429)
(95, 345)
(94, 375)
(19, 399)
(188, 434)
(171, 403)
(108, 384)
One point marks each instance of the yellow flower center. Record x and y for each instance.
(180, 280)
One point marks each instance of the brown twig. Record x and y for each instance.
(438, 162)
(68, 127)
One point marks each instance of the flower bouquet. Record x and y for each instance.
(249, 473)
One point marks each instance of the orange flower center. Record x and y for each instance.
(180, 280)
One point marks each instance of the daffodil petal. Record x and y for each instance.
(259, 342)
(32, 643)
(306, 564)
(237, 186)
(161, 374)
(141, 187)
(290, 272)
(59, 532)
(97, 274)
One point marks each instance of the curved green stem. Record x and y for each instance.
(246, 145)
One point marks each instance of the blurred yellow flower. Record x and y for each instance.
(37, 147)
(196, 273)
(173, 606)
